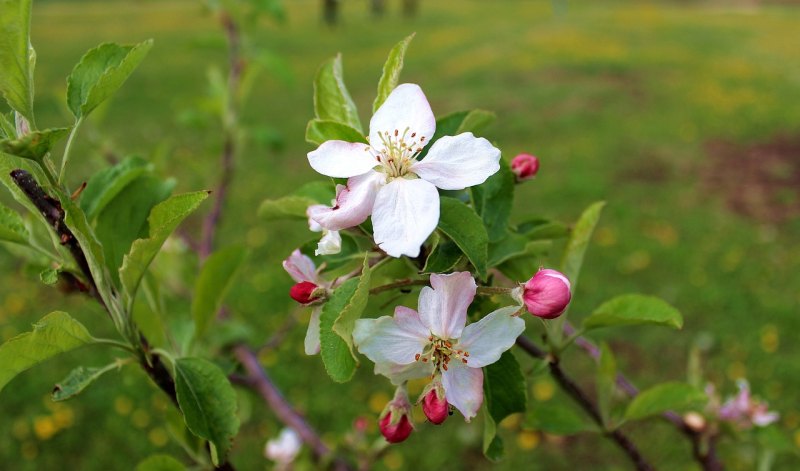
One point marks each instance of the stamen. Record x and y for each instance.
(416, 357)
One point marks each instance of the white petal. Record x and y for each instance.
(330, 244)
(354, 203)
(391, 339)
(313, 225)
(341, 159)
(443, 309)
(405, 108)
(463, 388)
(405, 213)
(488, 338)
(455, 163)
(301, 268)
(399, 374)
(311, 343)
(285, 448)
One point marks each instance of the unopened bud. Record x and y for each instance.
(695, 421)
(303, 292)
(547, 294)
(22, 125)
(434, 404)
(394, 422)
(524, 166)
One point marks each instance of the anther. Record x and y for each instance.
(413, 134)
(444, 367)
(396, 132)
(416, 357)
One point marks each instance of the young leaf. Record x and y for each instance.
(504, 393)
(520, 267)
(100, 73)
(16, 56)
(510, 246)
(34, 145)
(49, 276)
(7, 127)
(666, 396)
(464, 227)
(339, 361)
(492, 200)
(606, 383)
(79, 379)
(288, 207)
(164, 218)
(444, 256)
(215, 280)
(319, 131)
(332, 101)
(208, 403)
(391, 71)
(346, 321)
(634, 309)
(539, 229)
(54, 334)
(104, 185)
(160, 463)
(12, 227)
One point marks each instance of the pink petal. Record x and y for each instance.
(443, 308)
(301, 268)
(354, 203)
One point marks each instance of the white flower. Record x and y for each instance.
(285, 448)
(331, 241)
(386, 180)
(301, 268)
(434, 341)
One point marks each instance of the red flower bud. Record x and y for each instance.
(395, 432)
(435, 406)
(547, 294)
(524, 166)
(302, 292)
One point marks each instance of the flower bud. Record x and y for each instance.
(303, 292)
(547, 294)
(524, 166)
(434, 404)
(394, 421)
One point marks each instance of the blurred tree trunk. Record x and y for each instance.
(410, 8)
(330, 11)
(378, 8)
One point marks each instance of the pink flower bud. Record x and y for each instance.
(435, 406)
(524, 166)
(547, 294)
(303, 292)
(394, 421)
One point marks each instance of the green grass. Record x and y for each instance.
(618, 101)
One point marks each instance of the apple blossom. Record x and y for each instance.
(331, 241)
(435, 342)
(744, 411)
(546, 294)
(303, 270)
(394, 422)
(524, 166)
(387, 181)
(284, 449)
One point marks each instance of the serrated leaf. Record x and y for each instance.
(391, 71)
(664, 397)
(163, 220)
(34, 145)
(464, 227)
(634, 309)
(339, 361)
(606, 383)
(78, 380)
(100, 73)
(12, 227)
(16, 56)
(212, 285)
(288, 207)
(504, 391)
(332, 101)
(49, 276)
(104, 185)
(444, 257)
(54, 334)
(319, 131)
(160, 463)
(557, 419)
(492, 200)
(346, 321)
(208, 403)
(7, 127)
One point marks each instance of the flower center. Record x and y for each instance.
(399, 151)
(440, 352)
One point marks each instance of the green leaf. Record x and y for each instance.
(100, 73)
(454, 123)
(208, 403)
(520, 267)
(164, 218)
(606, 383)
(17, 57)
(49, 276)
(346, 321)
(557, 419)
(476, 121)
(510, 246)
(7, 127)
(578, 241)
(54, 334)
(391, 71)
(504, 393)
(8, 163)
(160, 463)
(288, 207)
(464, 227)
(79, 379)
(12, 227)
(539, 229)
(215, 280)
(319, 131)
(339, 361)
(444, 256)
(492, 200)
(332, 101)
(34, 145)
(319, 192)
(634, 309)
(664, 397)
(104, 185)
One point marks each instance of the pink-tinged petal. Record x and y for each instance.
(463, 388)
(390, 340)
(313, 225)
(409, 320)
(488, 338)
(342, 159)
(762, 418)
(301, 268)
(406, 108)
(354, 203)
(458, 162)
(311, 343)
(443, 309)
(399, 374)
(405, 213)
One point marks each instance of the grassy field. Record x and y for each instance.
(684, 118)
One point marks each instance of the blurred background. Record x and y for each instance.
(682, 115)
